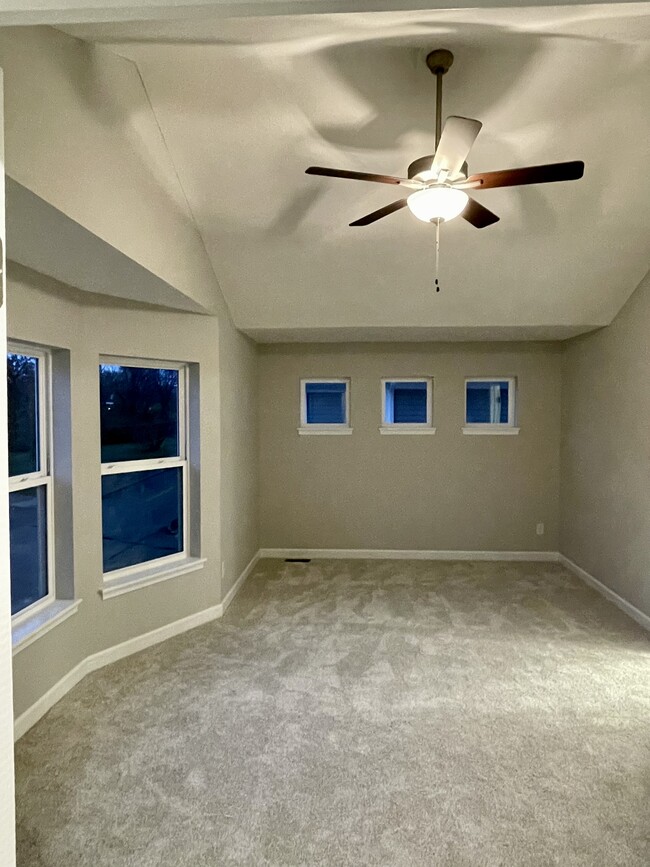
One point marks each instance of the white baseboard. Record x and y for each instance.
(607, 592)
(98, 660)
(378, 554)
(236, 587)
(41, 706)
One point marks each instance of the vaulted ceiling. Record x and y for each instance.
(245, 105)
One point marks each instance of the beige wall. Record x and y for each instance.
(443, 492)
(80, 133)
(239, 452)
(605, 493)
(50, 314)
(7, 808)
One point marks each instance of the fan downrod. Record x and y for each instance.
(439, 61)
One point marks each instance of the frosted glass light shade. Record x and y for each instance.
(437, 203)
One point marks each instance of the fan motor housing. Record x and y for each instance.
(423, 164)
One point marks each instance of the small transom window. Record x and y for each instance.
(325, 404)
(490, 402)
(406, 403)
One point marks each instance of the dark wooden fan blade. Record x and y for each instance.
(382, 212)
(478, 215)
(530, 175)
(360, 176)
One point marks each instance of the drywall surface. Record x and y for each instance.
(239, 451)
(49, 314)
(445, 492)
(605, 491)
(81, 134)
(7, 812)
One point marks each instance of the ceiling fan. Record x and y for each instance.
(441, 179)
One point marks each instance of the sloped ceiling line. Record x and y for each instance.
(221, 305)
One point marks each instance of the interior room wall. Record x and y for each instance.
(239, 451)
(7, 807)
(605, 454)
(50, 314)
(448, 491)
(80, 134)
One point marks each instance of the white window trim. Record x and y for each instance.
(143, 574)
(393, 427)
(490, 428)
(27, 631)
(145, 577)
(320, 429)
(43, 477)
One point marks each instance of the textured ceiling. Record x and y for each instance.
(245, 105)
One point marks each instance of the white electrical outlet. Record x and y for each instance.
(540, 529)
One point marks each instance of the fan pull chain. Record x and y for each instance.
(437, 283)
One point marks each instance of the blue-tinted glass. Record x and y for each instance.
(406, 402)
(139, 413)
(27, 546)
(22, 396)
(487, 402)
(325, 402)
(142, 516)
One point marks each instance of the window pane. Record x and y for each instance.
(139, 413)
(142, 516)
(406, 402)
(487, 402)
(325, 402)
(27, 546)
(22, 388)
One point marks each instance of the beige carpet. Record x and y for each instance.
(358, 713)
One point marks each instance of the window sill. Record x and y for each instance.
(147, 576)
(489, 430)
(399, 430)
(340, 431)
(32, 628)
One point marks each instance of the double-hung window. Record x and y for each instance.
(144, 466)
(490, 405)
(31, 524)
(407, 405)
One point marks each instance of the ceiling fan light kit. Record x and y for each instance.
(440, 180)
(437, 203)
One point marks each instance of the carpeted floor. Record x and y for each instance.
(358, 713)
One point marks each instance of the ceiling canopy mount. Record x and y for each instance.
(440, 61)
